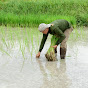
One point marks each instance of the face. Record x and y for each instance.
(45, 31)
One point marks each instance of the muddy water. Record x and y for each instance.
(15, 72)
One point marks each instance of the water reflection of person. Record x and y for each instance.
(56, 77)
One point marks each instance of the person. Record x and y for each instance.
(59, 28)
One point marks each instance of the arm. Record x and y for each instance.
(60, 35)
(43, 42)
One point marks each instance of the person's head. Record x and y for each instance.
(44, 28)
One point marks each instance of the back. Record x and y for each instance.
(62, 24)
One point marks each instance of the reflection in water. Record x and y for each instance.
(54, 76)
(59, 74)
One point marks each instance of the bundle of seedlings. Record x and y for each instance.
(50, 55)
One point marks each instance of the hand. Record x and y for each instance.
(38, 55)
(54, 46)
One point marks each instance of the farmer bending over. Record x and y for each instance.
(59, 28)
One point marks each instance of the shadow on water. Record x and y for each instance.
(54, 74)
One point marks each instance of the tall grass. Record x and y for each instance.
(31, 19)
(33, 12)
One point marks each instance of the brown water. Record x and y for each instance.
(15, 72)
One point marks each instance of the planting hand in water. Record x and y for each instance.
(54, 46)
(60, 29)
(45, 33)
(38, 55)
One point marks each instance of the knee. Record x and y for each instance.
(63, 45)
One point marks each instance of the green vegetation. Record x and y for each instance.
(79, 34)
(31, 19)
(50, 55)
(27, 40)
(23, 38)
(34, 12)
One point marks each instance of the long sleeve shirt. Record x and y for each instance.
(57, 29)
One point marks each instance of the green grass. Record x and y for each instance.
(31, 19)
(34, 12)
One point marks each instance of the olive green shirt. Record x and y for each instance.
(57, 29)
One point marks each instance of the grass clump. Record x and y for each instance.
(22, 12)
(50, 55)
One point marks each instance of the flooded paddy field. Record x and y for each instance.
(19, 68)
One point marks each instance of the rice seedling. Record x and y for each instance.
(22, 48)
(37, 38)
(12, 39)
(3, 37)
(28, 39)
(3, 51)
(50, 55)
(78, 34)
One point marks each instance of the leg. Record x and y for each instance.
(63, 45)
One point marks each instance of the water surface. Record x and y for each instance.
(20, 69)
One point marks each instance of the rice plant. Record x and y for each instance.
(78, 34)
(50, 55)
(33, 12)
